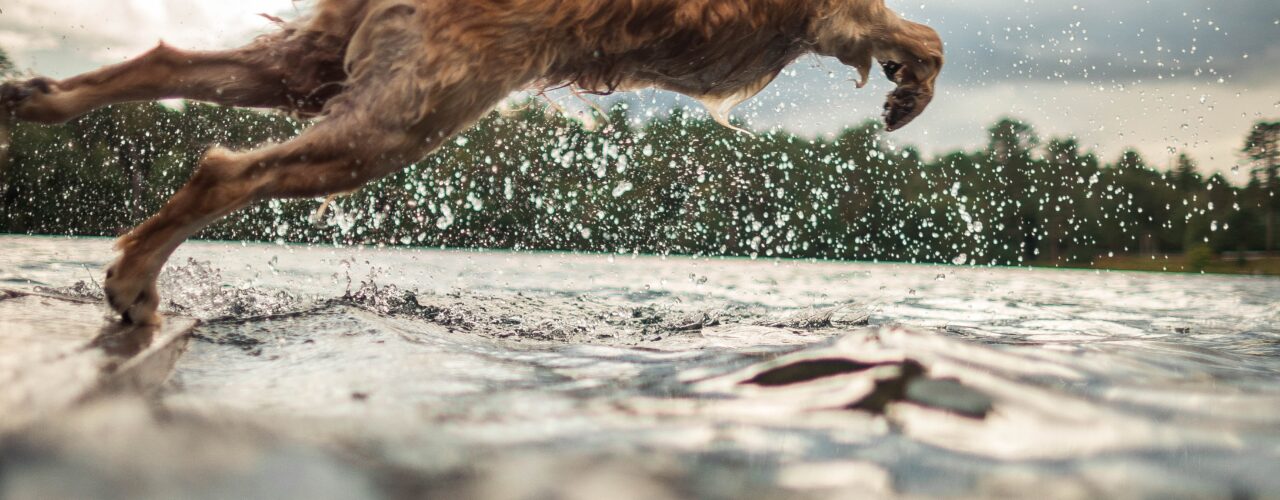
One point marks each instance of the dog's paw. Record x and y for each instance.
(13, 94)
(31, 100)
(131, 292)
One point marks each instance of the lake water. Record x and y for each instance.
(364, 373)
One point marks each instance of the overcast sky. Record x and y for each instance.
(1163, 76)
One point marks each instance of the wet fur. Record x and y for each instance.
(393, 79)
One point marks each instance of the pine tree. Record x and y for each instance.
(1184, 173)
(6, 67)
(1263, 147)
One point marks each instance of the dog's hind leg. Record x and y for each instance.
(253, 76)
(393, 113)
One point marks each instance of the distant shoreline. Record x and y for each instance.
(1249, 263)
(1228, 263)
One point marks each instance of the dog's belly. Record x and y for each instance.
(697, 47)
(715, 73)
(697, 69)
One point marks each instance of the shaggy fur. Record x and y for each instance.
(393, 79)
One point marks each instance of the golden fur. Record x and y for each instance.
(393, 79)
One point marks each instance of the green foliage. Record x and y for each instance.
(1262, 145)
(677, 183)
(6, 65)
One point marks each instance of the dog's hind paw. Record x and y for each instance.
(132, 295)
(12, 93)
(29, 100)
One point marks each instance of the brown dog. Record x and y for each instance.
(393, 79)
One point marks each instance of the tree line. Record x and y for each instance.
(677, 183)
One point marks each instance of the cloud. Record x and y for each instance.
(63, 37)
(18, 42)
(1103, 40)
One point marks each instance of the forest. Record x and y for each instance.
(529, 178)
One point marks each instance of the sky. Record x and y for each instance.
(1163, 76)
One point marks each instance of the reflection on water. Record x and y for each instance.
(358, 372)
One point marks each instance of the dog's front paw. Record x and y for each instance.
(131, 292)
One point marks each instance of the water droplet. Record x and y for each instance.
(622, 188)
(446, 217)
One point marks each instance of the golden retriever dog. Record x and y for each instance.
(391, 80)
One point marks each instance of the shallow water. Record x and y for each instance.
(340, 372)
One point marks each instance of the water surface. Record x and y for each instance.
(341, 373)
